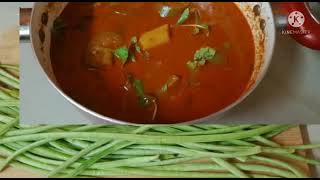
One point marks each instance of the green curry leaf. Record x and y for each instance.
(143, 100)
(137, 84)
(122, 54)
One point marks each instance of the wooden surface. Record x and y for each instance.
(9, 46)
(294, 136)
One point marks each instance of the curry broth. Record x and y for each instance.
(216, 85)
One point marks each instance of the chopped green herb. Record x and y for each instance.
(137, 84)
(164, 88)
(170, 82)
(143, 100)
(122, 54)
(184, 16)
(201, 57)
(206, 53)
(202, 62)
(134, 41)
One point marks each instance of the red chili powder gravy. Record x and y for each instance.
(194, 95)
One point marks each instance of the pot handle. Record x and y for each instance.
(307, 33)
(24, 29)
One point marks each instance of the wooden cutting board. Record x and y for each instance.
(294, 136)
(9, 46)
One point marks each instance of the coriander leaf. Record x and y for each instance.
(164, 88)
(184, 16)
(137, 84)
(138, 48)
(201, 56)
(206, 53)
(122, 54)
(143, 100)
(170, 82)
(202, 62)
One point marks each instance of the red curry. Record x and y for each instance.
(138, 63)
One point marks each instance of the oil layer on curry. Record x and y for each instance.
(152, 62)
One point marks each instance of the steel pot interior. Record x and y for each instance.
(258, 14)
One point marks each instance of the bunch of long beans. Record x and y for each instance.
(149, 150)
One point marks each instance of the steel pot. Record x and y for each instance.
(258, 14)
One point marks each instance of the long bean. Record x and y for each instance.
(100, 166)
(117, 146)
(10, 66)
(129, 172)
(22, 150)
(265, 141)
(76, 157)
(9, 82)
(63, 147)
(42, 151)
(6, 127)
(8, 75)
(279, 163)
(32, 130)
(302, 159)
(216, 167)
(192, 152)
(230, 167)
(215, 131)
(144, 138)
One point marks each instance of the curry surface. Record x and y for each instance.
(101, 90)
